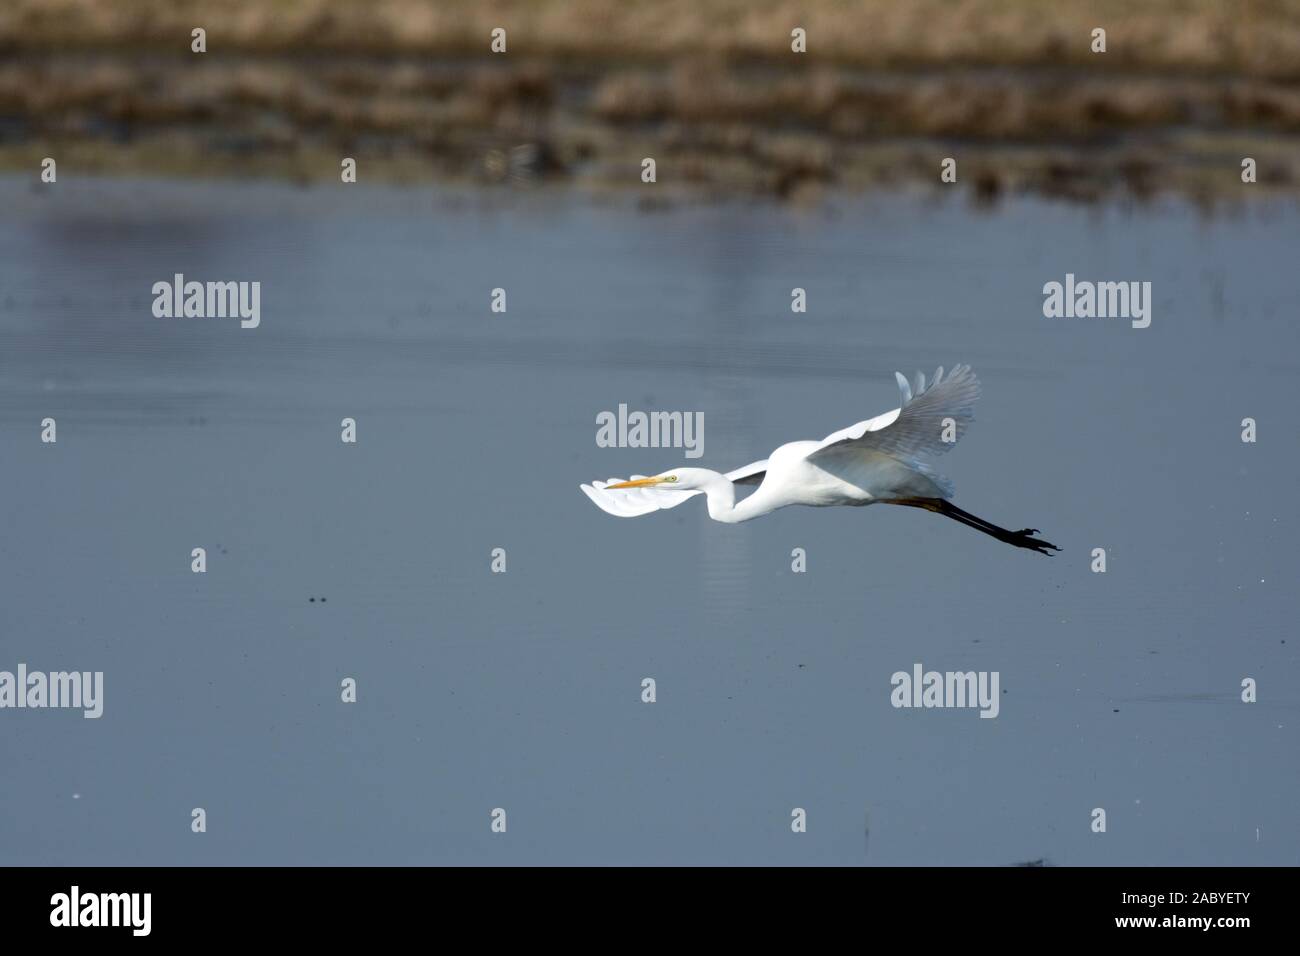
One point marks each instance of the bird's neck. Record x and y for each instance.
(721, 495)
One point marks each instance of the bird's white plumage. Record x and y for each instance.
(916, 430)
(928, 423)
(750, 474)
(887, 456)
(633, 502)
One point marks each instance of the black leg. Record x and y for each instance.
(1024, 538)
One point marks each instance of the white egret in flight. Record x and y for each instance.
(886, 460)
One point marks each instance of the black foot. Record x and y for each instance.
(1024, 538)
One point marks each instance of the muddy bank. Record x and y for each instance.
(586, 91)
(1249, 38)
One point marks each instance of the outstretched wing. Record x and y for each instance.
(917, 431)
(751, 474)
(633, 502)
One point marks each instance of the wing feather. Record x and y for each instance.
(751, 474)
(633, 502)
(914, 432)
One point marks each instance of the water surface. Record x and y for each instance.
(522, 690)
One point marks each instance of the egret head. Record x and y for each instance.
(676, 479)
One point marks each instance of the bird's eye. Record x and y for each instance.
(671, 478)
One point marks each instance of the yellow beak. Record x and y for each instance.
(639, 483)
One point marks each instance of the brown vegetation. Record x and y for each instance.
(709, 88)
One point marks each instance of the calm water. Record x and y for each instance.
(522, 690)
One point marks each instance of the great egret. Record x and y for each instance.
(884, 460)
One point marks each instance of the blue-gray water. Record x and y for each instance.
(522, 690)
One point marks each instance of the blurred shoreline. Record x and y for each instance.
(712, 91)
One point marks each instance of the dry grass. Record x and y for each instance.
(708, 87)
(1244, 37)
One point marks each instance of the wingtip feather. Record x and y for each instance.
(904, 387)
